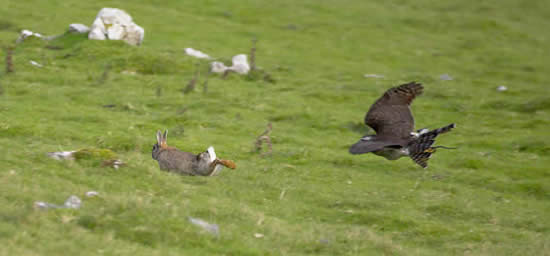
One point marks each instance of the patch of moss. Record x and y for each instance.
(94, 154)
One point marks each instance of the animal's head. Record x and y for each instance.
(204, 157)
(160, 145)
(204, 160)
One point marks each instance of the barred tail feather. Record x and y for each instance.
(421, 149)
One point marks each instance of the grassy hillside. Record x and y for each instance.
(488, 197)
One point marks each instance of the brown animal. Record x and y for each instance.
(175, 160)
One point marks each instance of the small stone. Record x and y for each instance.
(240, 64)
(196, 53)
(78, 28)
(92, 193)
(445, 77)
(258, 235)
(41, 205)
(26, 34)
(217, 67)
(36, 64)
(373, 76)
(502, 88)
(211, 228)
(73, 202)
(62, 155)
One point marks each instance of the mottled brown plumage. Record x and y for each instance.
(390, 116)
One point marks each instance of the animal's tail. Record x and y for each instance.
(420, 150)
(227, 163)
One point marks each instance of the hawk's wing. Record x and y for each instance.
(390, 116)
(366, 146)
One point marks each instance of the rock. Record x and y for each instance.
(62, 155)
(502, 88)
(78, 28)
(36, 64)
(240, 64)
(196, 53)
(212, 228)
(73, 202)
(445, 77)
(116, 24)
(115, 163)
(92, 193)
(373, 76)
(44, 205)
(217, 67)
(258, 235)
(26, 34)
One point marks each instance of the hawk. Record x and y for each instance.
(390, 116)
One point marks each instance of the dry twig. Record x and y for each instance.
(264, 138)
(253, 55)
(191, 85)
(9, 60)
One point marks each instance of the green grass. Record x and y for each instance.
(489, 197)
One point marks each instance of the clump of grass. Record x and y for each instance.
(94, 154)
(6, 25)
(264, 138)
(534, 105)
(9, 60)
(530, 106)
(532, 145)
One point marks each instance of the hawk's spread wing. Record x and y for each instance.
(390, 116)
(366, 146)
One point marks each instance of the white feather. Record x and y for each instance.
(212, 154)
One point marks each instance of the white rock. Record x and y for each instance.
(116, 24)
(135, 34)
(212, 228)
(373, 76)
(218, 67)
(73, 202)
(196, 53)
(26, 34)
(240, 64)
(502, 88)
(78, 28)
(92, 193)
(36, 64)
(258, 235)
(45, 205)
(115, 32)
(445, 77)
(62, 155)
